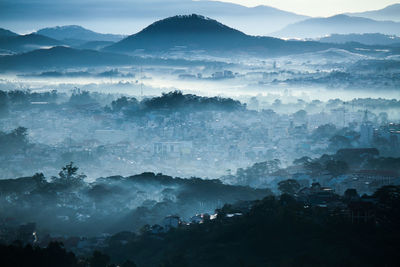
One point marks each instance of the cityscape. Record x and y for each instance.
(204, 133)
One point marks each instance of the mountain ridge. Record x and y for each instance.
(28, 42)
(391, 12)
(61, 57)
(365, 38)
(197, 32)
(338, 24)
(6, 33)
(76, 32)
(260, 20)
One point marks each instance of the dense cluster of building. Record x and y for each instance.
(204, 143)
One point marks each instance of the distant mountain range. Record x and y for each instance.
(132, 15)
(195, 32)
(259, 20)
(366, 38)
(189, 33)
(61, 57)
(13, 43)
(77, 35)
(391, 12)
(6, 33)
(95, 45)
(340, 24)
(74, 36)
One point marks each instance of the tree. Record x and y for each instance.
(389, 204)
(300, 115)
(3, 104)
(128, 263)
(124, 103)
(324, 131)
(388, 195)
(69, 175)
(336, 167)
(351, 194)
(302, 160)
(383, 117)
(314, 167)
(39, 179)
(289, 186)
(18, 137)
(339, 142)
(79, 97)
(99, 259)
(12, 142)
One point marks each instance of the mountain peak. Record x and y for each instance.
(65, 27)
(189, 31)
(186, 23)
(7, 33)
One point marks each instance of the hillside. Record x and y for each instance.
(340, 24)
(25, 43)
(95, 45)
(6, 33)
(195, 32)
(74, 32)
(60, 57)
(391, 12)
(366, 38)
(258, 20)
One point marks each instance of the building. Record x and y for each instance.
(366, 131)
(170, 222)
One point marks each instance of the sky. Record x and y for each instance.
(319, 8)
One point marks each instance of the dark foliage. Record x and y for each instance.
(53, 255)
(276, 232)
(13, 142)
(173, 102)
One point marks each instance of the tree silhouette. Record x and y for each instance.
(289, 186)
(69, 175)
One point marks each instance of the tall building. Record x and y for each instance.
(366, 131)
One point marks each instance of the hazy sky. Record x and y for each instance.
(319, 7)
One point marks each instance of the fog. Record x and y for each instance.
(96, 142)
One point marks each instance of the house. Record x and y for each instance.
(361, 212)
(174, 149)
(316, 195)
(200, 218)
(171, 221)
(196, 219)
(157, 229)
(368, 181)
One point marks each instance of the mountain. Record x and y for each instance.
(6, 33)
(192, 31)
(95, 45)
(61, 57)
(135, 14)
(391, 12)
(366, 38)
(24, 43)
(258, 20)
(77, 34)
(195, 32)
(340, 24)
